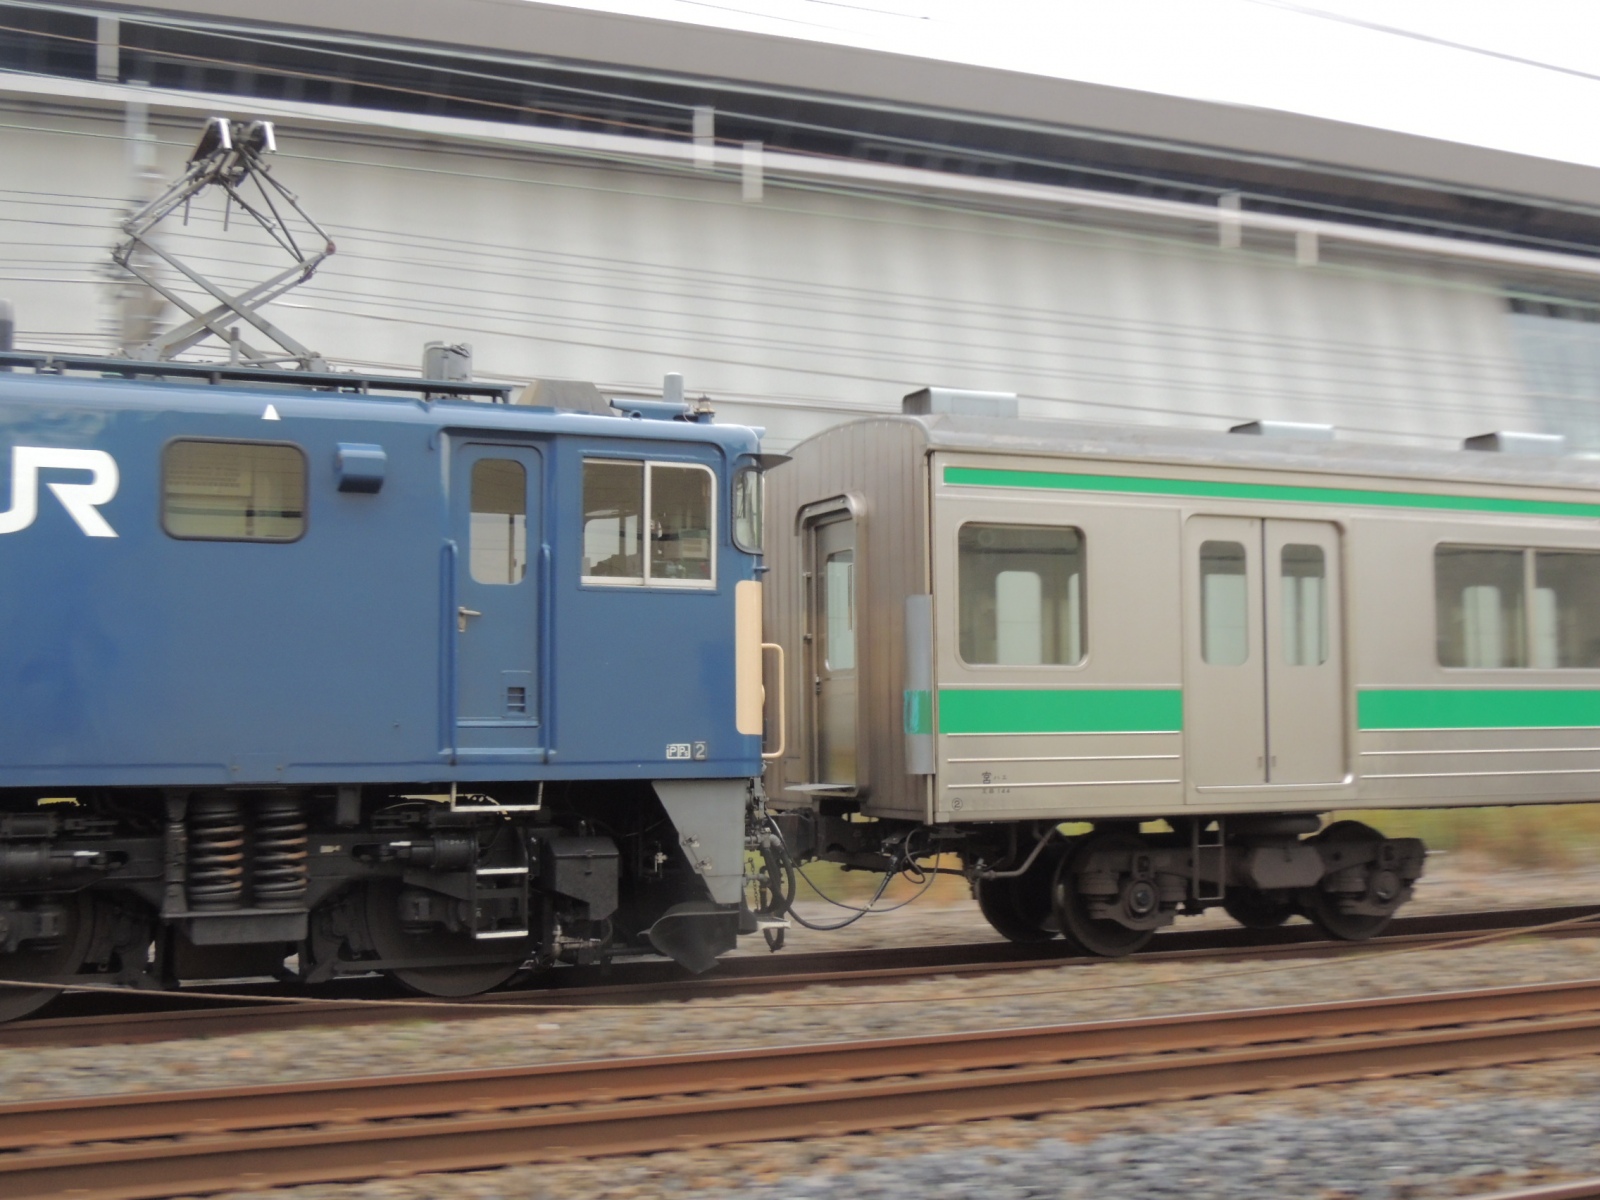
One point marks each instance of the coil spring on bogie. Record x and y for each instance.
(279, 860)
(216, 852)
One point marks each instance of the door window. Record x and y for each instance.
(1224, 604)
(1304, 574)
(839, 628)
(499, 526)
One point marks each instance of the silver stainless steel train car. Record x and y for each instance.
(998, 627)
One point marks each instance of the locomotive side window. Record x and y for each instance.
(747, 510)
(1224, 604)
(1304, 573)
(1021, 595)
(680, 523)
(233, 491)
(499, 528)
(1478, 593)
(673, 502)
(613, 520)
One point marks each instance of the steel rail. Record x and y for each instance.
(646, 981)
(186, 1143)
(1576, 1189)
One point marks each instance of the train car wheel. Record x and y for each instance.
(31, 964)
(1097, 935)
(454, 978)
(1256, 910)
(1323, 907)
(1012, 913)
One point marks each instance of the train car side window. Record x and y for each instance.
(233, 491)
(681, 534)
(1224, 604)
(499, 528)
(1304, 574)
(672, 502)
(1021, 595)
(1565, 619)
(1478, 593)
(613, 520)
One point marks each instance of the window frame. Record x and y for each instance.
(646, 580)
(1082, 660)
(760, 478)
(305, 469)
(1529, 585)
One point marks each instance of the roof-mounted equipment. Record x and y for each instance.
(230, 158)
(957, 402)
(1506, 441)
(1302, 431)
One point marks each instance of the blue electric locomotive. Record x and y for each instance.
(305, 674)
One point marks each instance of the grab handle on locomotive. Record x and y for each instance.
(783, 725)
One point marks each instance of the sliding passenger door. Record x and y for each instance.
(1264, 691)
(1224, 684)
(1304, 653)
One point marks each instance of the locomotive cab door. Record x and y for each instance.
(1264, 679)
(494, 617)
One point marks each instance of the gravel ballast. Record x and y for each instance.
(1464, 1134)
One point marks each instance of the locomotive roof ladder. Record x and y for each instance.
(228, 157)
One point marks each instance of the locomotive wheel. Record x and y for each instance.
(392, 940)
(1256, 910)
(1323, 907)
(34, 963)
(1097, 935)
(1020, 910)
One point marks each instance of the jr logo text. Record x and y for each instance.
(81, 500)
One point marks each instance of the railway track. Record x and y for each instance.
(141, 1147)
(119, 1019)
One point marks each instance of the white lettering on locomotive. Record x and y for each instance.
(81, 500)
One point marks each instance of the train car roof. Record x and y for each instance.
(1204, 448)
(291, 402)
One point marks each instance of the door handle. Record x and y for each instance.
(462, 614)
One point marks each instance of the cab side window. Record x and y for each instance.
(648, 523)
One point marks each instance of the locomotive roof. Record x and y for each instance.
(1204, 448)
(298, 402)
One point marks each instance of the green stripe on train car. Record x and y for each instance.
(1216, 489)
(1477, 708)
(1060, 710)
